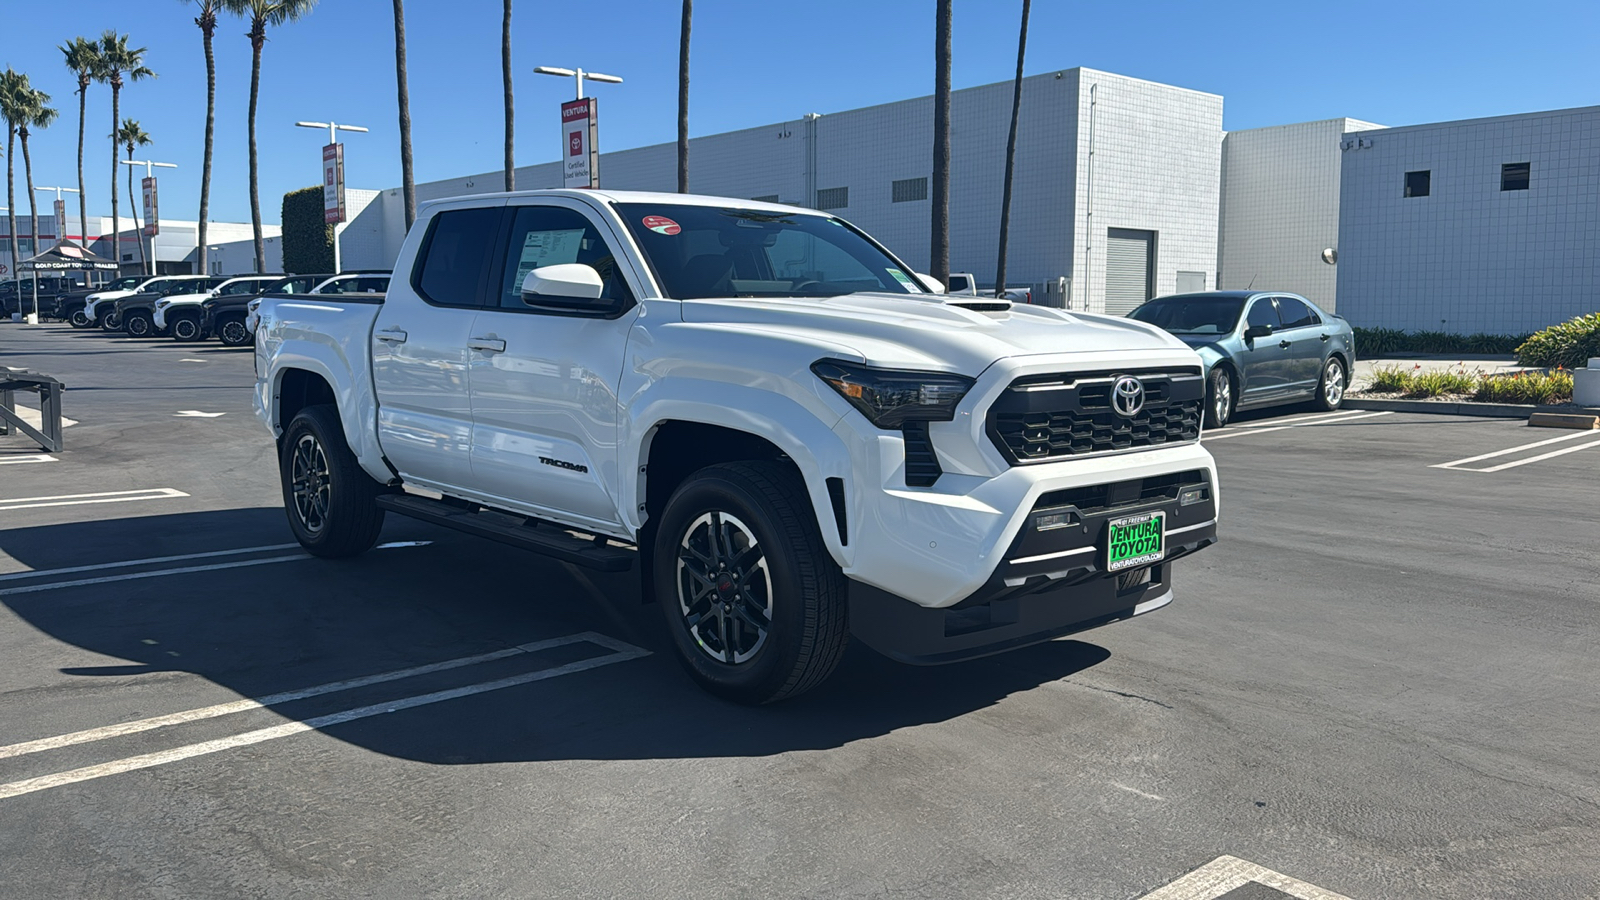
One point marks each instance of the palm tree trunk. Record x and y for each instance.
(939, 249)
(133, 210)
(83, 203)
(116, 222)
(511, 110)
(33, 216)
(683, 97)
(408, 186)
(11, 204)
(205, 165)
(1011, 156)
(257, 38)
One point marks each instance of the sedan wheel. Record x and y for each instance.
(1330, 392)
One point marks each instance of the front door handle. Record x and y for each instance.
(1325, 338)
(1283, 345)
(391, 335)
(490, 345)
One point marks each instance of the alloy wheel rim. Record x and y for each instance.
(184, 328)
(724, 588)
(138, 327)
(234, 332)
(309, 484)
(1333, 383)
(1224, 396)
(79, 319)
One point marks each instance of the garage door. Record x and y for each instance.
(1130, 269)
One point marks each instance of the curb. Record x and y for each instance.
(1447, 408)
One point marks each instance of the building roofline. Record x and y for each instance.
(1486, 120)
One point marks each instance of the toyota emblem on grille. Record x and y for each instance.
(1127, 396)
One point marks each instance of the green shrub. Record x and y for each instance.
(1526, 387)
(307, 239)
(1439, 383)
(1371, 342)
(1569, 344)
(1389, 380)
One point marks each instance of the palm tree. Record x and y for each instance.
(408, 185)
(1011, 156)
(207, 21)
(511, 110)
(119, 64)
(35, 113)
(13, 97)
(939, 250)
(131, 136)
(683, 97)
(83, 58)
(262, 14)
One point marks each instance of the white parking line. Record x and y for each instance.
(33, 458)
(46, 573)
(1482, 456)
(1522, 462)
(33, 417)
(621, 652)
(196, 414)
(1339, 420)
(1294, 420)
(156, 573)
(80, 499)
(1229, 873)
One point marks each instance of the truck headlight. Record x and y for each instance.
(891, 397)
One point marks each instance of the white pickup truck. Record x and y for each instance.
(796, 437)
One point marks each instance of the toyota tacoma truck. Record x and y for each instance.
(794, 436)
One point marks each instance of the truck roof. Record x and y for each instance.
(634, 197)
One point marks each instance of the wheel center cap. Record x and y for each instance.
(725, 586)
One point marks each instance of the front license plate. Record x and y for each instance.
(1136, 541)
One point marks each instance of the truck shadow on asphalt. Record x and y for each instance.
(275, 627)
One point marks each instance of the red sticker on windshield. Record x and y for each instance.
(661, 225)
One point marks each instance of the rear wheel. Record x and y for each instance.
(138, 324)
(755, 606)
(79, 319)
(1330, 390)
(232, 333)
(185, 329)
(1221, 397)
(330, 499)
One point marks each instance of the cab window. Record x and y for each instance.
(549, 236)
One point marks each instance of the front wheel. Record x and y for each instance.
(1330, 390)
(232, 332)
(79, 319)
(138, 324)
(1220, 399)
(111, 322)
(755, 606)
(185, 329)
(331, 501)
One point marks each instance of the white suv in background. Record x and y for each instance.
(181, 312)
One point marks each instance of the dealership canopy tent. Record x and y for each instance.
(66, 256)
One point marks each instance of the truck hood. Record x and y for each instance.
(930, 331)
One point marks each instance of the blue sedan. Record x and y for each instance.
(1261, 348)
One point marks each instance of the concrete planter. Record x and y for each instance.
(1586, 385)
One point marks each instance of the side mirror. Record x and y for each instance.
(1257, 331)
(568, 286)
(930, 283)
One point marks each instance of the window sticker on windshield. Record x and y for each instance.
(904, 279)
(661, 225)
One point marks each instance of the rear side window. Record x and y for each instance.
(1296, 314)
(455, 256)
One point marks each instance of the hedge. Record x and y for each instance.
(1571, 344)
(307, 239)
(1372, 342)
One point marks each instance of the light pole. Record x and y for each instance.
(153, 220)
(209, 248)
(577, 75)
(337, 160)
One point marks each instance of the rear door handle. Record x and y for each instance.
(391, 335)
(1283, 345)
(1325, 338)
(491, 345)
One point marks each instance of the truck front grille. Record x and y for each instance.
(1048, 417)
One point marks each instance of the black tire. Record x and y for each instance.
(792, 583)
(138, 324)
(331, 502)
(111, 322)
(1332, 385)
(232, 333)
(79, 319)
(1222, 396)
(185, 329)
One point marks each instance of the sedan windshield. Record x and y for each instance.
(1192, 315)
(709, 251)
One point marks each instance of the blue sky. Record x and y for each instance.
(756, 61)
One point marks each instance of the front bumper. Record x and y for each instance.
(1049, 582)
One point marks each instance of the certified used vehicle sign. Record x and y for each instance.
(1136, 541)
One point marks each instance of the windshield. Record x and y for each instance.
(709, 251)
(125, 284)
(1192, 315)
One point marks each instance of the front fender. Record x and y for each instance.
(816, 449)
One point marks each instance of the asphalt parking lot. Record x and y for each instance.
(1381, 683)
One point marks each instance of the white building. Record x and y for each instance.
(1488, 225)
(174, 249)
(1116, 194)
(1280, 208)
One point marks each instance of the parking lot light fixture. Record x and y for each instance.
(577, 75)
(333, 129)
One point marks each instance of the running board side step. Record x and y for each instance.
(549, 540)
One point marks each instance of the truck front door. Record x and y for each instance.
(544, 383)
